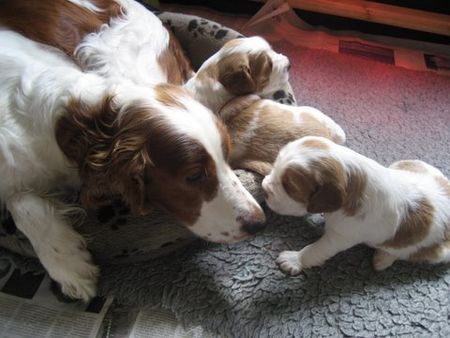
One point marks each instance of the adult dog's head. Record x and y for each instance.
(159, 148)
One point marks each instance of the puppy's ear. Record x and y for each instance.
(235, 75)
(260, 68)
(328, 198)
(298, 183)
(329, 193)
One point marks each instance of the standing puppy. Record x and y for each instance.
(260, 128)
(403, 211)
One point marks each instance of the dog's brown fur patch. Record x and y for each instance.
(174, 61)
(428, 254)
(56, 23)
(315, 144)
(237, 106)
(354, 191)
(432, 253)
(259, 167)
(414, 226)
(170, 95)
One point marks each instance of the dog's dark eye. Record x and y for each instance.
(196, 176)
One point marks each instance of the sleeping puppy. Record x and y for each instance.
(402, 211)
(242, 66)
(260, 128)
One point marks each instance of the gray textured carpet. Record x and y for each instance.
(236, 290)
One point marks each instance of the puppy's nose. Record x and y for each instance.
(253, 228)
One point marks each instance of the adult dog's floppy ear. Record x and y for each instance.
(235, 75)
(110, 155)
(84, 134)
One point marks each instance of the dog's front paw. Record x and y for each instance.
(70, 265)
(80, 283)
(289, 262)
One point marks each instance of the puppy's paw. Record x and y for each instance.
(289, 262)
(382, 260)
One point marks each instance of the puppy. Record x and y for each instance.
(242, 66)
(402, 211)
(260, 128)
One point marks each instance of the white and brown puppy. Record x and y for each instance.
(403, 211)
(259, 128)
(242, 66)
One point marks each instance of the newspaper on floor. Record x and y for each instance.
(32, 306)
(277, 21)
(124, 321)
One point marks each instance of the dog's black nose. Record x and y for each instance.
(253, 228)
(288, 67)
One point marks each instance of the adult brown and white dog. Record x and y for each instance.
(403, 211)
(111, 38)
(154, 146)
(259, 128)
(242, 66)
